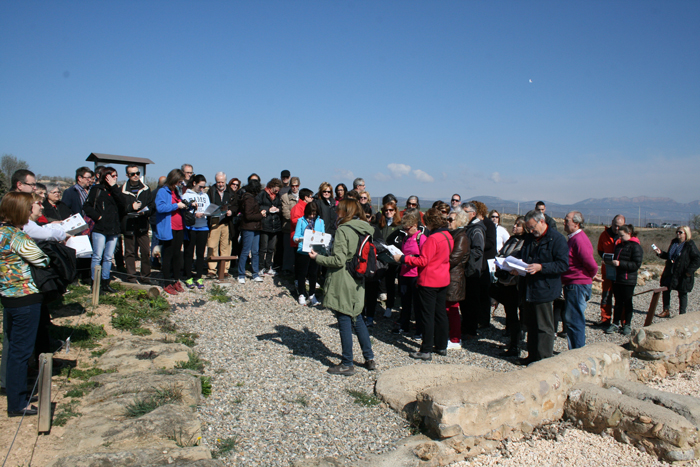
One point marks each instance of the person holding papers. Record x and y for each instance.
(42, 232)
(547, 255)
(197, 234)
(304, 266)
(505, 291)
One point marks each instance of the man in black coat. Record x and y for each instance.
(138, 206)
(547, 254)
(219, 241)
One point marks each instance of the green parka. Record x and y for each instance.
(343, 293)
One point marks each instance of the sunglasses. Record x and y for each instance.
(134, 173)
(456, 200)
(363, 197)
(680, 232)
(235, 184)
(413, 205)
(450, 219)
(325, 191)
(495, 217)
(389, 210)
(295, 186)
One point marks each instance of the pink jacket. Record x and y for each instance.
(434, 261)
(412, 246)
(582, 264)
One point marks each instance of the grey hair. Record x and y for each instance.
(410, 217)
(186, 165)
(220, 174)
(357, 182)
(577, 217)
(460, 219)
(616, 217)
(468, 205)
(534, 214)
(52, 186)
(415, 198)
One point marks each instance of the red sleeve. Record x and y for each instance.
(428, 251)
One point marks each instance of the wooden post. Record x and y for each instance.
(152, 291)
(45, 373)
(96, 286)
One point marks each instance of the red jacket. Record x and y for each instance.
(434, 261)
(295, 214)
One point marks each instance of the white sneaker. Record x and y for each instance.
(454, 345)
(257, 279)
(302, 300)
(382, 297)
(387, 312)
(270, 272)
(313, 301)
(241, 280)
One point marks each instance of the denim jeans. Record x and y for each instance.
(250, 240)
(346, 324)
(576, 297)
(102, 251)
(22, 324)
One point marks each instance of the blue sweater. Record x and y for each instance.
(164, 210)
(302, 224)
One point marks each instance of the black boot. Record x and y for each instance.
(105, 288)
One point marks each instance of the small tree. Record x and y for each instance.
(9, 164)
(696, 222)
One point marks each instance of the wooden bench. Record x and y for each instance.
(221, 268)
(653, 304)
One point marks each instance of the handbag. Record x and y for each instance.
(188, 217)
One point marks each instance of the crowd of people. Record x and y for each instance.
(450, 263)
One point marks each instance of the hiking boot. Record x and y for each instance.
(105, 288)
(342, 370)
(200, 283)
(626, 330)
(170, 289)
(612, 329)
(664, 314)
(427, 356)
(178, 286)
(371, 365)
(190, 283)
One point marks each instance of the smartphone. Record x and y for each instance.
(655, 248)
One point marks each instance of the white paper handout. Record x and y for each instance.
(81, 245)
(394, 250)
(510, 263)
(314, 237)
(211, 209)
(73, 225)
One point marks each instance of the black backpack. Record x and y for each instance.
(364, 263)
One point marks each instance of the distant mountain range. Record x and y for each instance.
(598, 210)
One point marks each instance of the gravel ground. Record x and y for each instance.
(272, 396)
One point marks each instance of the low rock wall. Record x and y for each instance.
(676, 341)
(519, 400)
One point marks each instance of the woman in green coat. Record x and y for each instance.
(343, 294)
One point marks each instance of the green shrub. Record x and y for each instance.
(206, 385)
(66, 412)
(193, 363)
(362, 398)
(83, 336)
(160, 397)
(224, 446)
(219, 294)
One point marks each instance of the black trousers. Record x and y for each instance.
(436, 328)
(624, 307)
(371, 297)
(507, 295)
(305, 268)
(409, 303)
(268, 243)
(539, 319)
(132, 243)
(470, 306)
(171, 257)
(196, 243)
(682, 301)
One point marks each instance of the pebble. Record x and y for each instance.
(267, 357)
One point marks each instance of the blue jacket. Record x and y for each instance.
(164, 209)
(301, 226)
(552, 252)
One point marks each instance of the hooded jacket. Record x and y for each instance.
(630, 255)
(136, 225)
(343, 293)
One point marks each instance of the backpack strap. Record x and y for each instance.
(448, 242)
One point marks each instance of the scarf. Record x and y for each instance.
(675, 251)
(271, 194)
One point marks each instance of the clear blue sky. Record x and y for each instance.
(519, 99)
